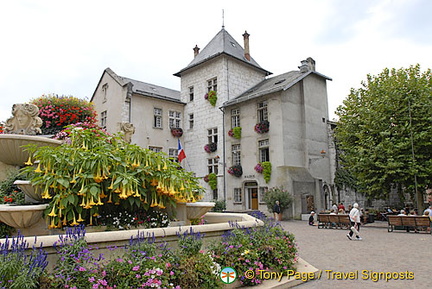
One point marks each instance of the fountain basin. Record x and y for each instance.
(11, 151)
(34, 193)
(198, 209)
(21, 217)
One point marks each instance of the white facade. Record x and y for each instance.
(296, 108)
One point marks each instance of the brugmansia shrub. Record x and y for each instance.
(57, 112)
(94, 168)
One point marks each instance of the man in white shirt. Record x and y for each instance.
(355, 222)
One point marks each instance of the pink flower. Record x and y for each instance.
(82, 269)
(136, 268)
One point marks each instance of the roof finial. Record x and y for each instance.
(223, 19)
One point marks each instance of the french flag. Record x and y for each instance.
(181, 155)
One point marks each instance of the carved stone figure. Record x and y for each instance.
(24, 120)
(128, 130)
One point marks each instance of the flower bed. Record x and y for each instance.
(262, 127)
(146, 262)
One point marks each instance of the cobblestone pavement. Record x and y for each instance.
(379, 251)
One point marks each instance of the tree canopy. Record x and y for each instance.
(384, 132)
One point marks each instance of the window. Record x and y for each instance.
(104, 91)
(212, 165)
(155, 149)
(191, 121)
(157, 118)
(262, 111)
(174, 119)
(212, 84)
(262, 191)
(191, 93)
(103, 120)
(236, 156)
(173, 153)
(235, 117)
(212, 135)
(238, 195)
(263, 146)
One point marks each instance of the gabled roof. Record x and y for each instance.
(222, 43)
(143, 88)
(277, 83)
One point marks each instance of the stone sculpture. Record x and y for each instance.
(24, 120)
(128, 130)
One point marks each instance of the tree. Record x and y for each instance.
(384, 132)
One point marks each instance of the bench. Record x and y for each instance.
(329, 221)
(418, 223)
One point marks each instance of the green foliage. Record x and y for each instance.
(277, 194)
(237, 132)
(260, 248)
(20, 268)
(212, 177)
(384, 131)
(220, 206)
(94, 169)
(211, 96)
(10, 193)
(267, 169)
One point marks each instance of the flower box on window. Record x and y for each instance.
(236, 171)
(176, 131)
(211, 97)
(211, 147)
(235, 132)
(258, 168)
(262, 127)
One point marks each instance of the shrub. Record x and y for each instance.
(220, 206)
(277, 194)
(267, 169)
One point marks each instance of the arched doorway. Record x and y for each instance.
(251, 190)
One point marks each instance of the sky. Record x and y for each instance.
(62, 47)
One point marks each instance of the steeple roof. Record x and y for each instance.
(222, 43)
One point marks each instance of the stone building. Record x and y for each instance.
(283, 120)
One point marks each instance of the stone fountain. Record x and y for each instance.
(21, 130)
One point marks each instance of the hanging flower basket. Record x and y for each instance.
(235, 132)
(236, 171)
(176, 132)
(211, 147)
(206, 178)
(262, 127)
(258, 168)
(211, 97)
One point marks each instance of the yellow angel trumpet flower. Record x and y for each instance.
(111, 186)
(64, 222)
(38, 169)
(137, 194)
(83, 202)
(28, 162)
(153, 203)
(80, 219)
(74, 223)
(102, 195)
(46, 194)
(52, 224)
(165, 166)
(52, 214)
(110, 199)
(99, 203)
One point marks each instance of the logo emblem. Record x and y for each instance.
(228, 275)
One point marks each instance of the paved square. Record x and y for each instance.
(379, 251)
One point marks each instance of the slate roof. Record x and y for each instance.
(277, 83)
(143, 88)
(222, 43)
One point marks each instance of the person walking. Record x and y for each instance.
(277, 211)
(355, 223)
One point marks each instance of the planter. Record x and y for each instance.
(262, 127)
(211, 147)
(177, 132)
(236, 171)
(198, 209)
(21, 216)
(12, 152)
(29, 190)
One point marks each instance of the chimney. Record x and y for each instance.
(196, 50)
(246, 46)
(307, 65)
